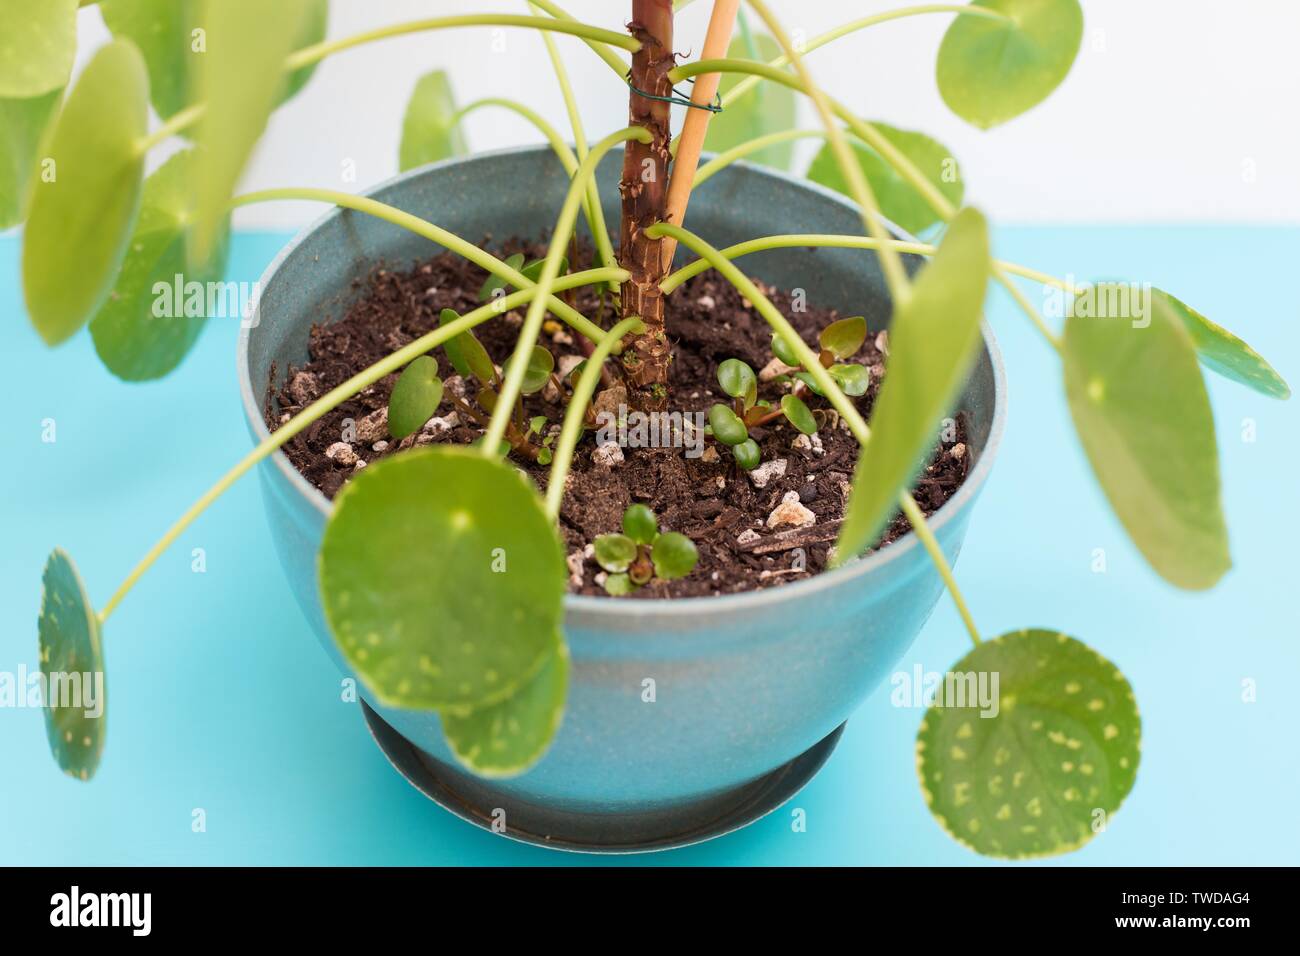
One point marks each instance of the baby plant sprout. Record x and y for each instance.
(642, 553)
(430, 551)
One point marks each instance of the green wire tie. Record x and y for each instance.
(678, 99)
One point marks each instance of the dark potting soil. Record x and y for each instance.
(728, 513)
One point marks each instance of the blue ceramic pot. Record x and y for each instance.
(743, 684)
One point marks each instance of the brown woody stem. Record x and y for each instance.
(644, 191)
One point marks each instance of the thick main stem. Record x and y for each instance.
(644, 190)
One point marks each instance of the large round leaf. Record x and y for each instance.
(505, 739)
(23, 124)
(72, 663)
(932, 340)
(990, 71)
(240, 79)
(898, 199)
(165, 32)
(81, 218)
(1139, 405)
(38, 41)
(1041, 770)
(442, 579)
(151, 319)
(1224, 353)
(768, 108)
(431, 130)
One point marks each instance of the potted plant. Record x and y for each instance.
(556, 656)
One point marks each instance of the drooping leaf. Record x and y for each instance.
(747, 454)
(23, 124)
(82, 214)
(991, 70)
(1222, 352)
(727, 425)
(674, 556)
(442, 579)
(898, 199)
(798, 415)
(168, 33)
(240, 78)
(781, 349)
(466, 352)
(768, 108)
(541, 363)
(1036, 764)
(72, 663)
(1139, 404)
(39, 43)
(932, 337)
(431, 130)
(149, 323)
(640, 524)
(415, 397)
(614, 552)
(506, 738)
(494, 282)
(844, 337)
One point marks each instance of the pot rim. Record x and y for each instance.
(595, 607)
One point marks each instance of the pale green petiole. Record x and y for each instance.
(532, 327)
(725, 159)
(428, 230)
(335, 397)
(618, 65)
(812, 363)
(571, 430)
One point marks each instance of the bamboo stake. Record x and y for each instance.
(716, 42)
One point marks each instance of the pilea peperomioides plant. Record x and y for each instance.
(99, 236)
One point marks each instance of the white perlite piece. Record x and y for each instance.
(374, 426)
(341, 452)
(748, 536)
(958, 451)
(437, 427)
(709, 456)
(574, 561)
(607, 455)
(768, 470)
(790, 513)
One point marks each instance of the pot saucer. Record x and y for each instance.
(556, 828)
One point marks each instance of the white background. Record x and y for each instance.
(1176, 110)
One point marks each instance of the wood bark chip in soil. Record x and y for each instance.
(707, 498)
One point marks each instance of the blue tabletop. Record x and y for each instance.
(222, 701)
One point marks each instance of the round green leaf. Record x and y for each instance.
(797, 413)
(932, 341)
(81, 218)
(747, 454)
(783, 351)
(495, 282)
(158, 307)
(165, 32)
(853, 380)
(736, 378)
(415, 397)
(616, 585)
(541, 363)
(506, 738)
(768, 108)
(72, 663)
(674, 556)
(1139, 404)
(431, 130)
(38, 41)
(1222, 352)
(844, 337)
(240, 79)
(990, 70)
(442, 579)
(1036, 764)
(639, 524)
(727, 426)
(23, 124)
(615, 552)
(898, 199)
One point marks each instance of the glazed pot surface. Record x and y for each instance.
(670, 702)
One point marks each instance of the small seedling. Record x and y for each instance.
(642, 553)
